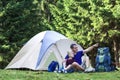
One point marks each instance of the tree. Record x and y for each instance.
(85, 21)
(19, 21)
(88, 21)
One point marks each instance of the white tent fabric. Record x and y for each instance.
(40, 50)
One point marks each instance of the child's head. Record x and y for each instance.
(70, 54)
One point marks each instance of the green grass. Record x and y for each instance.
(41, 75)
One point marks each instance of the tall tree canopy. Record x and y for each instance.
(85, 21)
(19, 21)
(89, 21)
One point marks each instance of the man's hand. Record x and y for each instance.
(90, 48)
(96, 45)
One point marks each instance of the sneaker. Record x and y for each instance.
(90, 69)
(62, 71)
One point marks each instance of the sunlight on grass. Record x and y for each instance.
(40, 75)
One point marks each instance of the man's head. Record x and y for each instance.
(74, 47)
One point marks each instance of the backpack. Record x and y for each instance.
(52, 66)
(103, 60)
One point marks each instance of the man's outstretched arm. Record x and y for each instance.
(90, 48)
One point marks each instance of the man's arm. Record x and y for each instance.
(90, 48)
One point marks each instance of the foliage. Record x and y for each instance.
(19, 21)
(85, 21)
(89, 21)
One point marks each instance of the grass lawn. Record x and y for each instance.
(40, 75)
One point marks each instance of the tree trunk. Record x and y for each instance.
(116, 53)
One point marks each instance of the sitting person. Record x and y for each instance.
(69, 61)
(77, 57)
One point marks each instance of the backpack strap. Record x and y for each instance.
(58, 66)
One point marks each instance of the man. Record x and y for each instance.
(77, 64)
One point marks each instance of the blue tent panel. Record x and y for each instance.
(50, 38)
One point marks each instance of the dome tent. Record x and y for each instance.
(40, 50)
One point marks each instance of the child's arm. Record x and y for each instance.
(64, 61)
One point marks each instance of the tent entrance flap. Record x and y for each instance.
(52, 54)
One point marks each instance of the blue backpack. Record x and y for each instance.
(52, 66)
(103, 60)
